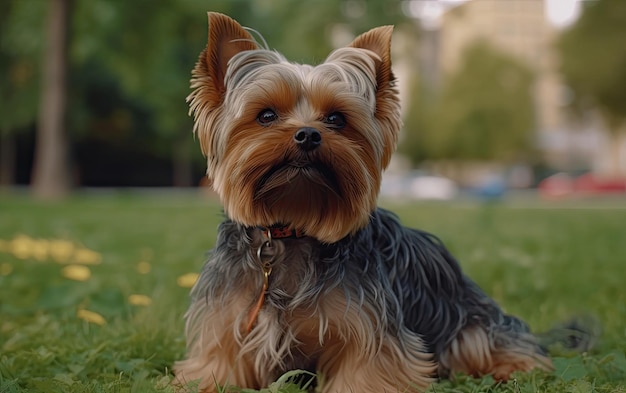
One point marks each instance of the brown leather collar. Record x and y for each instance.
(283, 232)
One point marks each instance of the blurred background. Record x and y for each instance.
(497, 95)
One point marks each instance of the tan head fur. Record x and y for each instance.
(299, 145)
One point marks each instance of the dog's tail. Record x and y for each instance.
(579, 334)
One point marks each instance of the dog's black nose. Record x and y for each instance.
(308, 138)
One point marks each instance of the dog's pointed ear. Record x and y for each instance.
(378, 40)
(226, 39)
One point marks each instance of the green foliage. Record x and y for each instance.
(419, 123)
(141, 53)
(130, 61)
(20, 47)
(484, 111)
(594, 59)
(310, 24)
(284, 384)
(543, 262)
(149, 48)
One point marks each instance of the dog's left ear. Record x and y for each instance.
(378, 40)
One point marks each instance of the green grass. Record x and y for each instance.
(541, 262)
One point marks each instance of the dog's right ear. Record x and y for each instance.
(226, 39)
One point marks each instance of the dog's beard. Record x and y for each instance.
(299, 188)
(299, 180)
(328, 200)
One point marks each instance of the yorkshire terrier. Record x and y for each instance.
(307, 273)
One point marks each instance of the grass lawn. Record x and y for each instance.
(93, 289)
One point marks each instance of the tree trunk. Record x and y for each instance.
(50, 176)
(7, 158)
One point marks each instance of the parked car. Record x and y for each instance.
(418, 185)
(562, 185)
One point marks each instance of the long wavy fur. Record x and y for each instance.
(402, 282)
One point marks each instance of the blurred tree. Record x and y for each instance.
(51, 178)
(418, 121)
(20, 47)
(484, 112)
(163, 41)
(593, 55)
(147, 49)
(129, 67)
(306, 31)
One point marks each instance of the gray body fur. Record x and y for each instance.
(410, 282)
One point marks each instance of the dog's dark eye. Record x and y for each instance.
(266, 117)
(335, 120)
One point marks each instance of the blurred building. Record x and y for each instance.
(522, 29)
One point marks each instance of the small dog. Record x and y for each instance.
(307, 273)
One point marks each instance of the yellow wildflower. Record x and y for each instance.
(85, 256)
(61, 250)
(143, 267)
(90, 316)
(21, 246)
(39, 249)
(76, 272)
(139, 300)
(187, 280)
